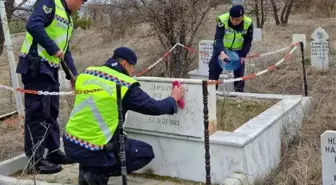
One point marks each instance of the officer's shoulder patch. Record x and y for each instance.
(220, 24)
(46, 9)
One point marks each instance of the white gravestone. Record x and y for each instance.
(188, 121)
(202, 72)
(328, 156)
(206, 49)
(320, 49)
(65, 84)
(257, 34)
(299, 38)
(238, 2)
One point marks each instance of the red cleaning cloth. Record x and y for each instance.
(180, 102)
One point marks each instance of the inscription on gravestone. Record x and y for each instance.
(328, 151)
(320, 49)
(187, 122)
(205, 48)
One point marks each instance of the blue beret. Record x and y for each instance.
(237, 11)
(126, 54)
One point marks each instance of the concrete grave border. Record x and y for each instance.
(248, 144)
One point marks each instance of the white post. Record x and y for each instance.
(11, 59)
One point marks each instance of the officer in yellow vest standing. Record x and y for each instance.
(91, 135)
(49, 29)
(234, 32)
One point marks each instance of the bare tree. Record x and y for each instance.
(285, 7)
(174, 21)
(261, 9)
(10, 9)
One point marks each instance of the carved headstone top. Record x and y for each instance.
(320, 35)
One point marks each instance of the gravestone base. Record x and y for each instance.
(252, 149)
(226, 87)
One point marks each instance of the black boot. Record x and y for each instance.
(81, 179)
(95, 179)
(45, 167)
(58, 157)
(40, 165)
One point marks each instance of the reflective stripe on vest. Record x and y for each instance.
(94, 118)
(60, 31)
(233, 39)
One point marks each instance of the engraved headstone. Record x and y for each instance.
(299, 38)
(328, 156)
(205, 53)
(186, 122)
(320, 49)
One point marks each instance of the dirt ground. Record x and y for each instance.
(69, 175)
(11, 141)
(233, 112)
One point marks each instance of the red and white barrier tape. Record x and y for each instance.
(287, 55)
(63, 93)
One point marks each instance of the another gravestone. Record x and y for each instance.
(320, 49)
(202, 72)
(65, 84)
(205, 48)
(186, 122)
(328, 156)
(257, 34)
(236, 2)
(299, 38)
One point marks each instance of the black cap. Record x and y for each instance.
(126, 54)
(237, 11)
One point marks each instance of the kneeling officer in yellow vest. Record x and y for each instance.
(94, 120)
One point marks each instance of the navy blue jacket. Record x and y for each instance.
(36, 27)
(136, 100)
(219, 35)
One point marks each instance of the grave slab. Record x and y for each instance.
(229, 151)
(252, 149)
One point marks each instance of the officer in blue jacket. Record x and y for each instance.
(48, 33)
(98, 166)
(236, 23)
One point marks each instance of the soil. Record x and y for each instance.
(234, 112)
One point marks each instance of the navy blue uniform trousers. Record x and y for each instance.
(215, 70)
(138, 155)
(41, 112)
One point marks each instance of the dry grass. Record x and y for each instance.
(234, 112)
(301, 164)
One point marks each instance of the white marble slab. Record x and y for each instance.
(188, 121)
(252, 150)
